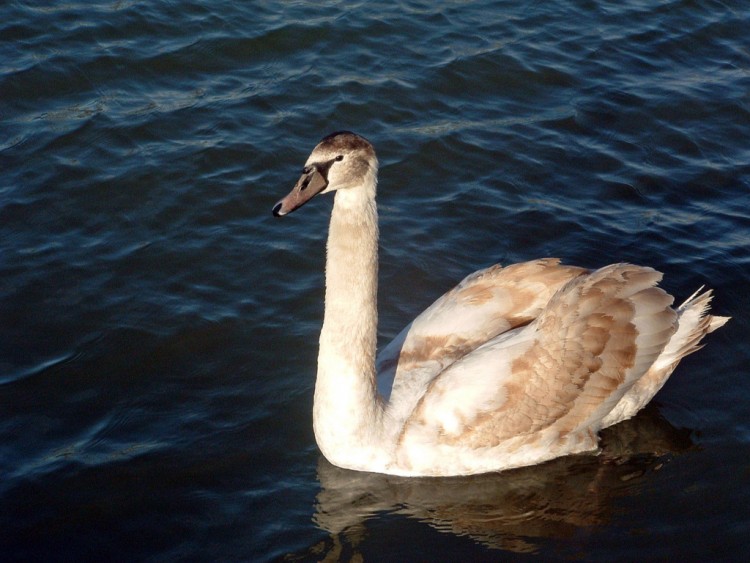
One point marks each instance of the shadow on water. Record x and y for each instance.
(518, 511)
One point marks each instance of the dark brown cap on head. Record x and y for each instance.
(344, 141)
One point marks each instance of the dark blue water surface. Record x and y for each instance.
(158, 328)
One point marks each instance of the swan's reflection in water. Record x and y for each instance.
(513, 510)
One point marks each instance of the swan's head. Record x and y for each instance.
(342, 160)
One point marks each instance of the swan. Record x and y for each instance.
(514, 366)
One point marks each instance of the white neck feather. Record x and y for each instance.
(347, 413)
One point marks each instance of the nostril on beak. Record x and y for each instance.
(277, 210)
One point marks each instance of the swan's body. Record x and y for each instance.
(514, 366)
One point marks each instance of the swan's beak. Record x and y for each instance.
(311, 183)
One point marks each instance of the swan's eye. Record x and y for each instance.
(307, 169)
(339, 158)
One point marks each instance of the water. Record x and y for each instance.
(159, 327)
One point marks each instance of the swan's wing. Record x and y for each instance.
(485, 304)
(554, 379)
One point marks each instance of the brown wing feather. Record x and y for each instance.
(585, 352)
(489, 302)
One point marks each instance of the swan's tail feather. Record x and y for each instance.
(717, 322)
(703, 300)
(694, 323)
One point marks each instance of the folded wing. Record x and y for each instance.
(555, 379)
(484, 305)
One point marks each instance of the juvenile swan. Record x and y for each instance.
(514, 366)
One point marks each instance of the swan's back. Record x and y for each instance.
(484, 305)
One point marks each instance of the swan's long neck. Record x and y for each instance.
(347, 410)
